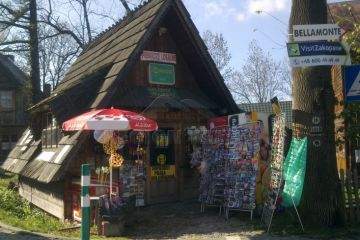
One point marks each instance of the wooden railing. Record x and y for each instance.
(350, 193)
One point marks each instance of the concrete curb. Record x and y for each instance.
(25, 232)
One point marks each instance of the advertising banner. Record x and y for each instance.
(294, 172)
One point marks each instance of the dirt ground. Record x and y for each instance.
(185, 221)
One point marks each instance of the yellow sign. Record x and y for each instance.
(162, 171)
(161, 159)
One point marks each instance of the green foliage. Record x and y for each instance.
(351, 116)
(352, 37)
(10, 201)
(351, 112)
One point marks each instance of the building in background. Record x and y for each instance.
(13, 103)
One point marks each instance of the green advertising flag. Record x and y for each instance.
(294, 172)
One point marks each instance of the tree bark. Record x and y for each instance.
(34, 54)
(313, 116)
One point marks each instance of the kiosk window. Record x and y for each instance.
(162, 148)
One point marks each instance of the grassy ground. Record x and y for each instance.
(17, 212)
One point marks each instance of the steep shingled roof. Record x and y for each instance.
(9, 70)
(116, 48)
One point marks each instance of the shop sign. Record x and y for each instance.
(162, 171)
(352, 83)
(317, 54)
(158, 57)
(167, 92)
(316, 32)
(162, 74)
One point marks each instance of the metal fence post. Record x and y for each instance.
(85, 201)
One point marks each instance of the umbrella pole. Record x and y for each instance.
(111, 181)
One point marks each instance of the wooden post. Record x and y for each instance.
(356, 193)
(342, 181)
(85, 201)
(349, 194)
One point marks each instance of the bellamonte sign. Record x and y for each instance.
(316, 32)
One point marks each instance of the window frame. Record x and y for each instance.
(10, 101)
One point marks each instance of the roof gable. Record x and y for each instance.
(10, 73)
(121, 45)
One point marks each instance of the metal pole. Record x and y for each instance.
(111, 173)
(85, 201)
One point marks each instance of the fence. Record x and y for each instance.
(350, 193)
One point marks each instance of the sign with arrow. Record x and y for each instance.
(352, 83)
(304, 54)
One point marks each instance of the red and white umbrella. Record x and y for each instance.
(110, 119)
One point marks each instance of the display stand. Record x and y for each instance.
(242, 167)
(212, 182)
(298, 215)
(276, 167)
(276, 179)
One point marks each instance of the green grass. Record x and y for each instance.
(17, 212)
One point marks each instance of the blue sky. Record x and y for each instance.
(239, 23)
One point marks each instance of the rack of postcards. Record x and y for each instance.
(212, 182)
(241, 168)
(277, 158)
(133, 172)
(229, 167)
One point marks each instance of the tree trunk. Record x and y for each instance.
(313, 116)
(34, 54)
(86, 16)
(126, 6)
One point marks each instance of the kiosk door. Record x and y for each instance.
(163, 184)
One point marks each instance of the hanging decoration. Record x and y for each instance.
(111, 147)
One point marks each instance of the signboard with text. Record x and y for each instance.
(352, 83)
(162, 171)
(316, 54)
(158, 57)
(316, 32)
(162, 74)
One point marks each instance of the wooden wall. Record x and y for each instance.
(165, 43)
(49, 197)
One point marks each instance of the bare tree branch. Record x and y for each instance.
(64, 31)
(13, 24)
(14, 42)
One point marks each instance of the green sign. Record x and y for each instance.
(294, 172)
(162, 74)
